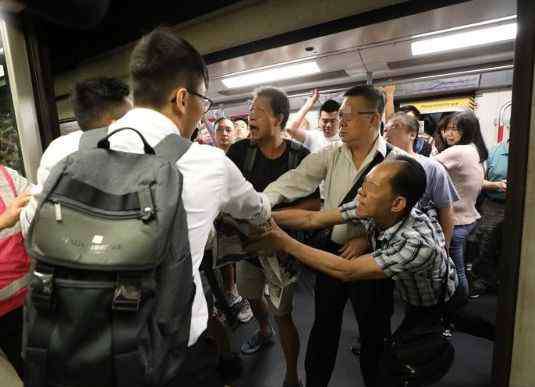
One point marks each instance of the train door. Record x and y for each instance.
(20, 144)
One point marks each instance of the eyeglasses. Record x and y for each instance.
(347, 116)
(206, 103)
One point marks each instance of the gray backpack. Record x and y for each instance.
(112, 287)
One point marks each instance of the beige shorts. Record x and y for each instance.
(251, 283)
(8, 375)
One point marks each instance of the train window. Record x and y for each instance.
(10, 150)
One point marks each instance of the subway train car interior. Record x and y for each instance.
(449, 81)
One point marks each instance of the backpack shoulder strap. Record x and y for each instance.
(293, 156)
(9, 180)
(90, 138)
(389, 149)
(172, 148)
(250, 157)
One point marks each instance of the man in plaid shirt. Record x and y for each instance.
(403, 243)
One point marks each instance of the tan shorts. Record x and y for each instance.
(8, 375)
(251, 283)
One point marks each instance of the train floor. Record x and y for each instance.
(472, 366)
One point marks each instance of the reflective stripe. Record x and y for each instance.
(12, 289)
(9, 180)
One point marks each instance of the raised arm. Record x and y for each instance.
(294, 129)
(389, 105)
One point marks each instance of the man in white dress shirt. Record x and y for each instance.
(169, 79)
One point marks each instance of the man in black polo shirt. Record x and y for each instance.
(262, 159)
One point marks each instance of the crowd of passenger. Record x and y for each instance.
(370, 201)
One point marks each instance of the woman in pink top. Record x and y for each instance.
(463, 158)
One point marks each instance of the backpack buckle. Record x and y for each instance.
(42, 287)
(126, 298)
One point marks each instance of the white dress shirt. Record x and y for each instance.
(212, 184)
(315, 140)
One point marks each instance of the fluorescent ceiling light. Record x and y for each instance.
(472, 26)
(271, 75)
(465, 39)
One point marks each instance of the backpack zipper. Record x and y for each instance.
(74, 205)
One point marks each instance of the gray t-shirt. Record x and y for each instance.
(440, 191)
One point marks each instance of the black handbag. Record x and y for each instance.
(421, 355)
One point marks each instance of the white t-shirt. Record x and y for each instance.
(315, 140)
(212, 184)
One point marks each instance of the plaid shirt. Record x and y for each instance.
(413, 253)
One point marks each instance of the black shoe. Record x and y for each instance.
(478, 288)
(230, 367)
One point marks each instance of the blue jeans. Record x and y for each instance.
(457, 254)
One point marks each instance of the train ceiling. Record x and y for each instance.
(382, 51)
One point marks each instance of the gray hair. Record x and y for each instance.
(406, 120)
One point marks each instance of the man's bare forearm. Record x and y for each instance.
(445, 218)
(307, 220)
(361, 268)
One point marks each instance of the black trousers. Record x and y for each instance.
(200, 367)
(11, 338)
(373, 306)
(489, 236)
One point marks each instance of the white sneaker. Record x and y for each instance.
(245, 314)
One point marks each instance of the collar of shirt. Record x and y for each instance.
(334, 138)
(384, 236)
(153, 125)
(378, 146)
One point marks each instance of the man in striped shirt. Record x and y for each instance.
(403, 243)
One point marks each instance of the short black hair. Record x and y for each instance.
(373, 95)
(409, 181)
(161, 62)
(278, 101)
(330, 106)
(93, 98)
(410, 109)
